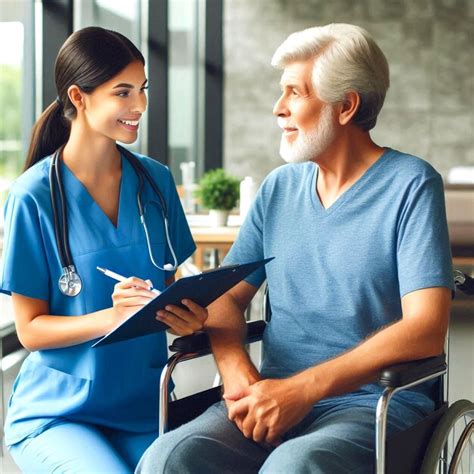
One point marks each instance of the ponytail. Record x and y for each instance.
(49, 133)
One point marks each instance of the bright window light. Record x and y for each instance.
(11, 34)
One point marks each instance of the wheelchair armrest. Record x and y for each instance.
(200, 342)
(408, 372)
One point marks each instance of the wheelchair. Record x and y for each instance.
(441, 443)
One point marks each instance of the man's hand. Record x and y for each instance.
(239, 383)
(267, 409)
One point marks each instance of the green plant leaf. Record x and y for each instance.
(218, 190)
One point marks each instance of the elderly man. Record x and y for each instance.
(361, 280)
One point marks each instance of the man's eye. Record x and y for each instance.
(294, 92)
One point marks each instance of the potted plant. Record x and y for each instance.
(219, 193)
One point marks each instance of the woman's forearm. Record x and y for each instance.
(52, 332)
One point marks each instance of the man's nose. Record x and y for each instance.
(280, 108)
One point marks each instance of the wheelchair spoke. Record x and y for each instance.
(455, 448)
(463, 447)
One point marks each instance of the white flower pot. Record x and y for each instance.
(218, 217)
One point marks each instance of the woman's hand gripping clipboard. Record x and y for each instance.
(203, 288)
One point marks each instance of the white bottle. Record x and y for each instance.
(188, 170)
(248, 189)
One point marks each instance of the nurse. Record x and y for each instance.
(75, 408)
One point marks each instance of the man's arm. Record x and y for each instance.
(420, 333)
(271, 407)
(227, 329)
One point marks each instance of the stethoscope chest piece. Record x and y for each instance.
(70, 282)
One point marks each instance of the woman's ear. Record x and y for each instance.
(348, 108)
(76, 96)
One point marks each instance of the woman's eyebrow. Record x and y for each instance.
(128, 86)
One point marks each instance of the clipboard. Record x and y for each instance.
(203, 289)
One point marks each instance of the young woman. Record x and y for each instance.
(76, 408)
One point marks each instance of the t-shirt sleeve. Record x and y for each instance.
(180, 234)
(423, 248)
(24, 264)
(249, 245)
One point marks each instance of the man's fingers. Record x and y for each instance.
(273, 438)
(235, 395)
(259, 432)
(239, 421)
(248, 426)
(238, 409)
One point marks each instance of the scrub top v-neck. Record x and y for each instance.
(89, 207)
(116, 385)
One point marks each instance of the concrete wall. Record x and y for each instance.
(429, 109)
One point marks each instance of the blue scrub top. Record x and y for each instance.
(115, 385)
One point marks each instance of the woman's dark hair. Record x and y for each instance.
(88, 58)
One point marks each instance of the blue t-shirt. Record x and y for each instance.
(339, 273)
(115, 385)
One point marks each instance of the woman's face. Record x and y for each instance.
(115, 107)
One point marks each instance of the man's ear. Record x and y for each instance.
(348, 108)
(76, 96)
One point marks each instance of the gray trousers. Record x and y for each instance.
(330, 439)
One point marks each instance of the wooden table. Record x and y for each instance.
(216, 239)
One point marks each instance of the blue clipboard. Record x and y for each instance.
(203, 288)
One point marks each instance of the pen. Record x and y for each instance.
(118, 277)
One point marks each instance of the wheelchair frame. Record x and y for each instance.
(394, 378)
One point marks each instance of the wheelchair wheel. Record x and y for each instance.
(451, 448)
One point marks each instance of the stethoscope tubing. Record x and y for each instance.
(60, 240)
(61, 230)
(65, 227)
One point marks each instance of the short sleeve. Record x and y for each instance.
(24, 264)
(249, 246)
(423, 247)
(180, 235)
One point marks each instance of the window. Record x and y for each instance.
(16, 89)
(186, 79)
(183, 123)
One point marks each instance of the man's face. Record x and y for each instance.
(307, 122)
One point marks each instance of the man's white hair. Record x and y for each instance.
(346, 59)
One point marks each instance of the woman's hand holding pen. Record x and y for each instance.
(129, 296)
(182, 321)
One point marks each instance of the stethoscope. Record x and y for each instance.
(70, 283)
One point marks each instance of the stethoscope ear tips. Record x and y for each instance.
(168, 267)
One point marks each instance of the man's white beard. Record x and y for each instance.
(308, 146)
